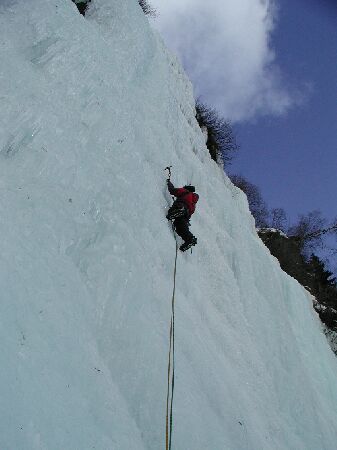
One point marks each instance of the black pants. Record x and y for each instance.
(181, 225)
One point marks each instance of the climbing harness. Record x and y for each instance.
(170, 367)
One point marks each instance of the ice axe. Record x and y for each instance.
(169, 171)
(168, 168)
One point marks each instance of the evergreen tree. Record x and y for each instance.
(322, 276)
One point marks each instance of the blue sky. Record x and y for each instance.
(293, 158)
(270, 67)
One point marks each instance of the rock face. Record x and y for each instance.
(310, 274)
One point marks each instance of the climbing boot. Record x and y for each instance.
(188, 244)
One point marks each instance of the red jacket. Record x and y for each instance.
(184, 196)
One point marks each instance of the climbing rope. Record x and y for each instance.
(170, 366)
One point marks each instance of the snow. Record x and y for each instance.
(93, 110)
(272, 230)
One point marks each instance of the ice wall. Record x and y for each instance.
(93, 109)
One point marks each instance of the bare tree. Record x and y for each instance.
(221, 141)
(308, 231)
(278, 218)
(332, 228)
(147, 8)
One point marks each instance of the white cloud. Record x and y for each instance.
(225, 47)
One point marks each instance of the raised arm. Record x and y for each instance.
(177, 192)
(170, 187)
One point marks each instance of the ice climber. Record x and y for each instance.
(181, 211)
